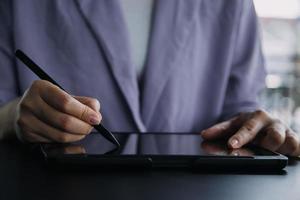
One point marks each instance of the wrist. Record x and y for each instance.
(8, 115)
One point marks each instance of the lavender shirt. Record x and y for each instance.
(204, 62)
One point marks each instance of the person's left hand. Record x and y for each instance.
(257, 127)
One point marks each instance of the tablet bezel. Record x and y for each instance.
(203, 162)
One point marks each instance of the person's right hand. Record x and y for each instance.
(46, 113)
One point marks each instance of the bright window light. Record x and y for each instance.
(289, 9)
(273, 81)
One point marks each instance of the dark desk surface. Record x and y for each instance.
(23, 176)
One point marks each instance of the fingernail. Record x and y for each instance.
(234, 143)
(203, 132)
(94, 120)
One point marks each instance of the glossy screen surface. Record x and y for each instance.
(152, 144)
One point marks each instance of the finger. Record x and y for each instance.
(291, 145)
(91, 102)
(218, 131)
(221, 130)
(30, 123)
(249, 129)
(64, 102)
(273, 136)
(62, 121)
(33, 137)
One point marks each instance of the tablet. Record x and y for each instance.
(159, 150)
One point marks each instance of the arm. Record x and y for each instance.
(44, 113)
(8, 81)
(7, 119)
(247, 79)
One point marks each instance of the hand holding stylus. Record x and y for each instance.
(46, 113)
(67, 105)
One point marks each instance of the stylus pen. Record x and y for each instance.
(43, 75)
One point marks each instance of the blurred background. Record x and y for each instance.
(280, 30)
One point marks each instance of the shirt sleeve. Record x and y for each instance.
(247, 77)
(8, 80)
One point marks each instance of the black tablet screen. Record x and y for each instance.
(152, 144)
